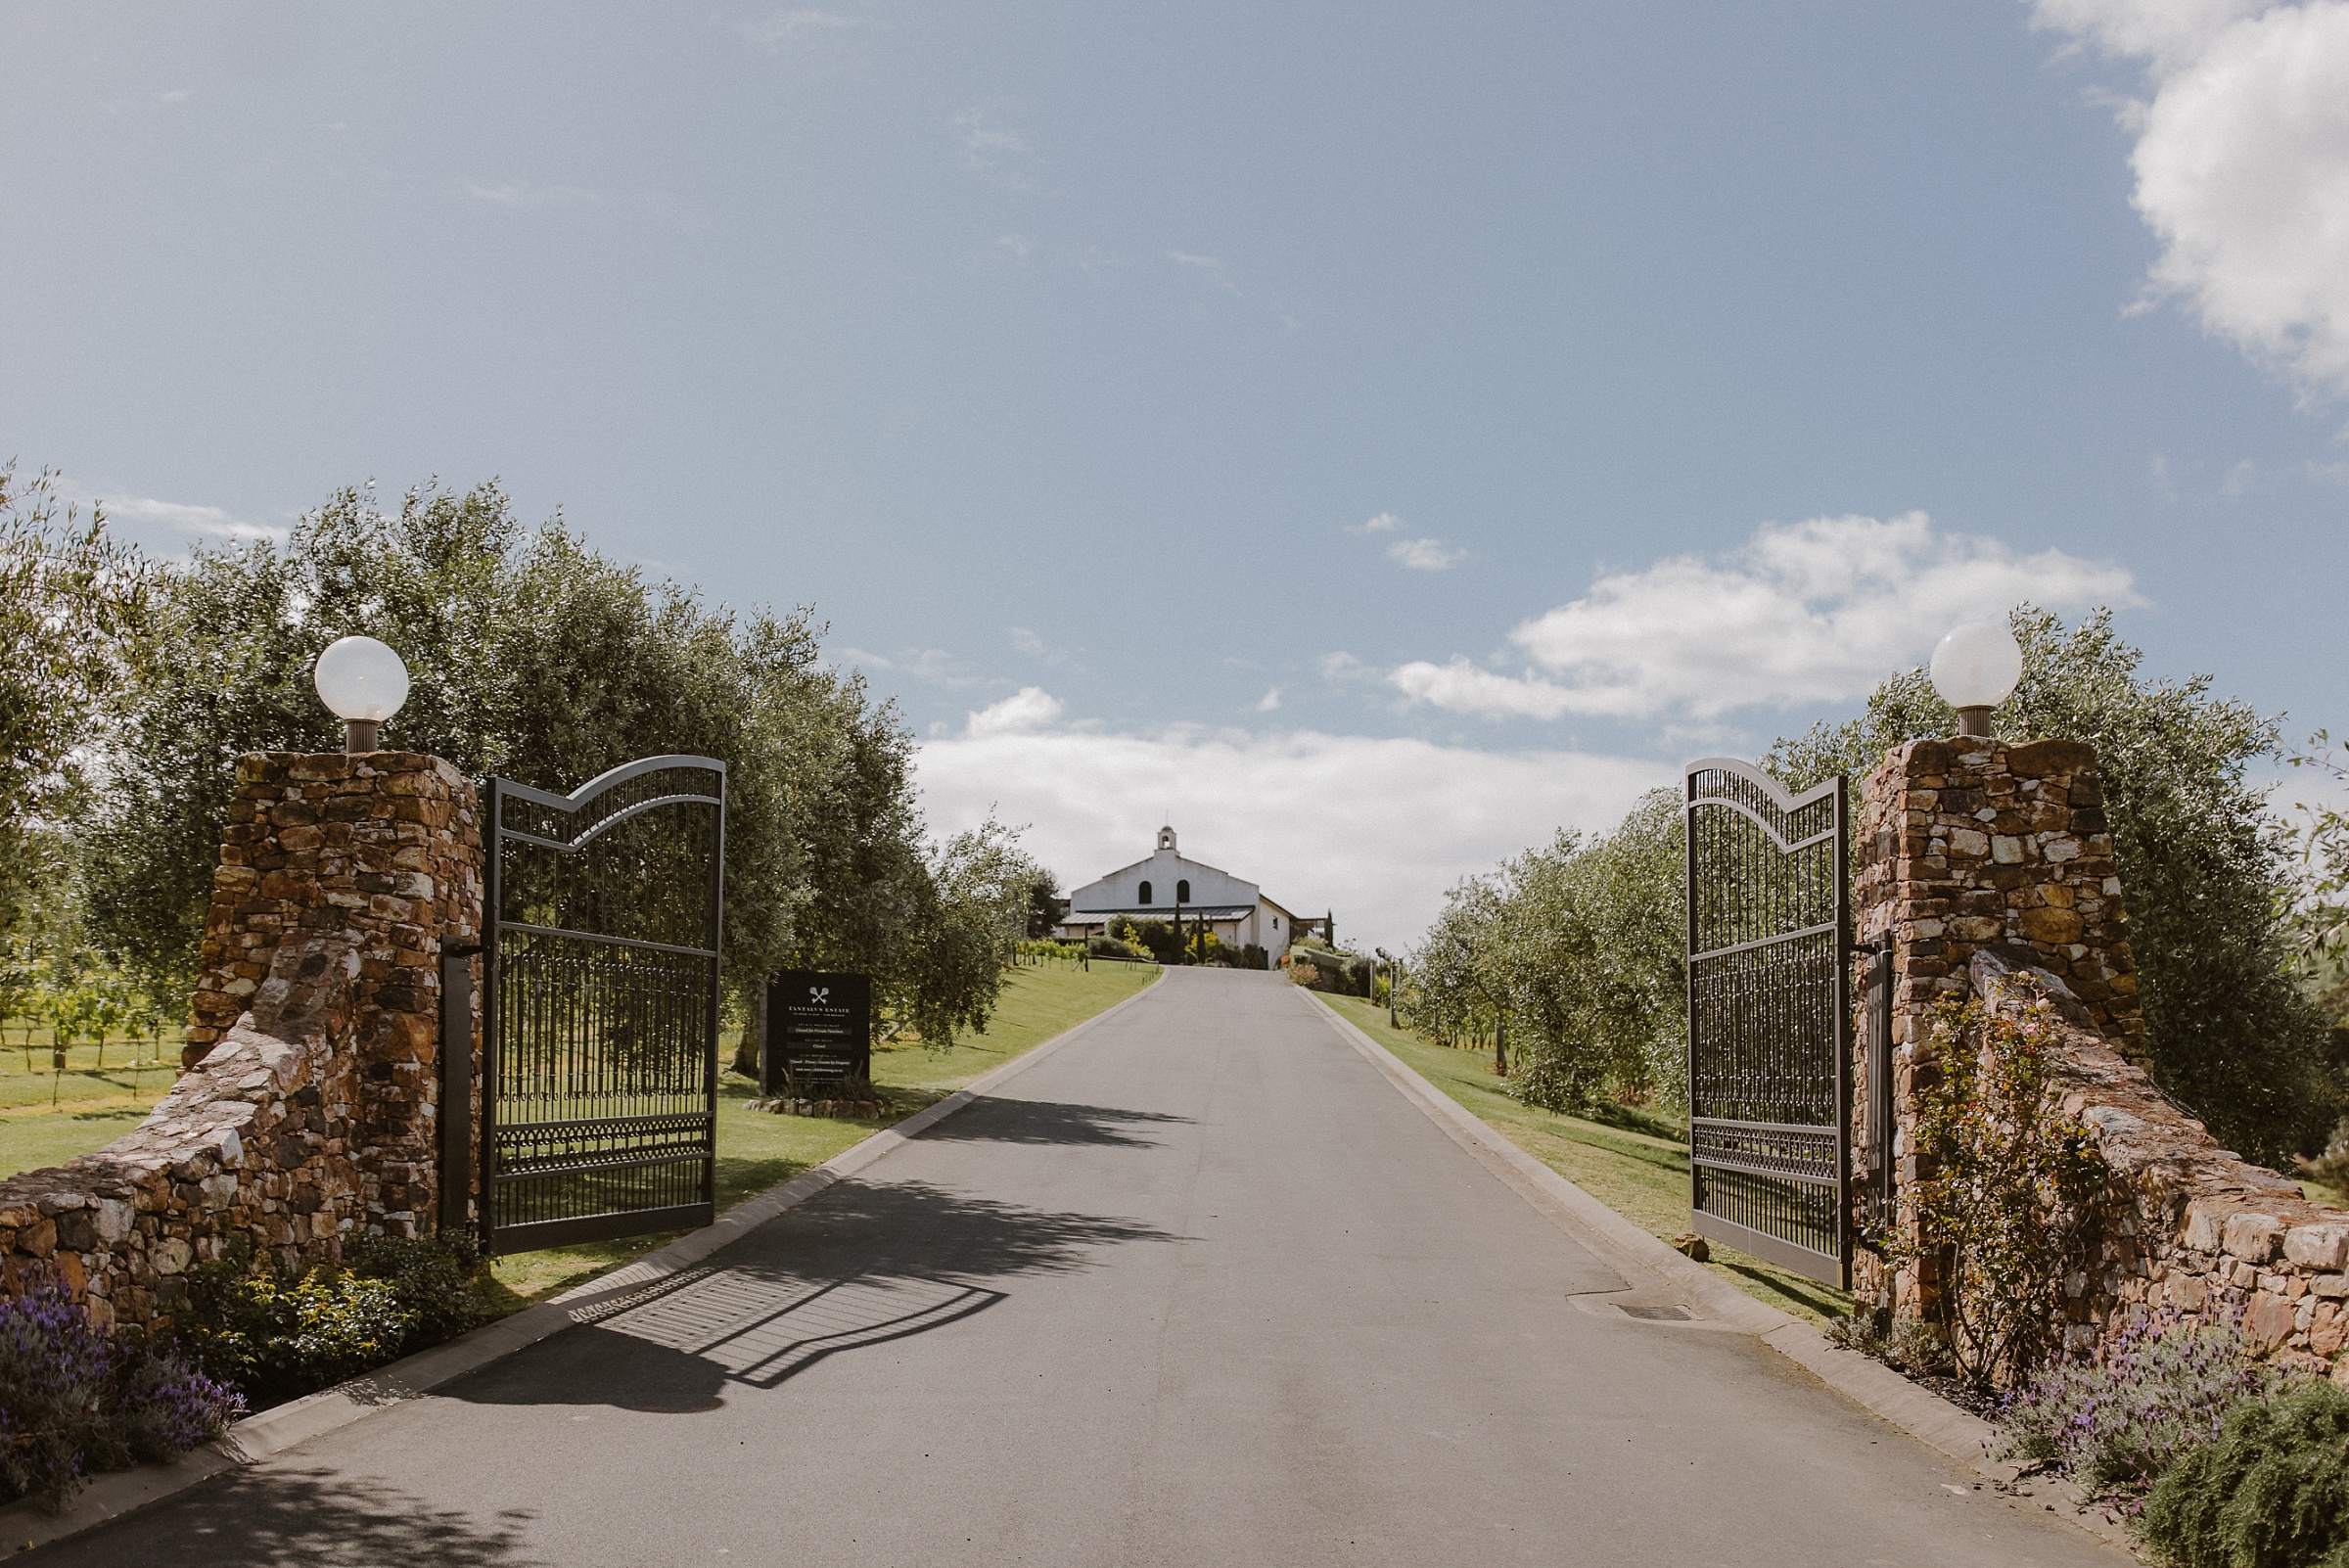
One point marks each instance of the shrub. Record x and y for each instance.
(1150, 937)
(2114, 1420)
(2271, 1490)
(1916, 1348)
(74, 1400)
(431, 1279)
(1319, 968)
(2002, 1213)
(279, 1333)
(1107, 946)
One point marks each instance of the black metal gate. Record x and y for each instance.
(1769, 1121)
(599, 1085)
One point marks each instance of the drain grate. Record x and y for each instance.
(1657, 1315)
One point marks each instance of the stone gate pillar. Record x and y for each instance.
(379, 854)
(1965, 845)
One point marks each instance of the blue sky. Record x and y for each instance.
(1373, 435)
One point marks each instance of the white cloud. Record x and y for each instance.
(1024, 710)
(181, 517)
(1384, 523)
(1376, 829)
(786, 28)
(987, 145)
(1042, 651)
(1017, 245)
(1211, 267)
(521, 196)
(1807, 613)
(1426, 555)
(1466, 687)
(1342, 666)
(941, 667)
(2242, 165)
(2167, 31)
(1269, 701)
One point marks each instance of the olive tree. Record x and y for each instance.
(2206, 868)
(1578, 947)
(71, 600)
(532, 657)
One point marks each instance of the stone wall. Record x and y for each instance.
(309, 1106)
(1989, 869)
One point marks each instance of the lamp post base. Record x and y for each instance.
(1974, 723)
(361, 735)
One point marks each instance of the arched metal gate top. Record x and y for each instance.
(1769, 1017)
(603, 922)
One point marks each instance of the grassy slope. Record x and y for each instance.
(1637, 1166)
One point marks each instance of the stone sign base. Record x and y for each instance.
(849, 1110)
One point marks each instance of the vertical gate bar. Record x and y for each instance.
(455, 1178)
(492, 1007)
(1879, 1075)
(1688, 833)
(1842, 999)
(717, 947)
(491, 1010)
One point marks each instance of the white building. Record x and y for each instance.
(1155, 889)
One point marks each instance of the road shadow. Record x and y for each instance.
(1050, 1122)
(297, 1518)
(921, 1229)
(856, 1266)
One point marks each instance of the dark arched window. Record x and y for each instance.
(1183, 893)
(1145, 895)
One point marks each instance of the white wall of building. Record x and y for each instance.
(1165, 876)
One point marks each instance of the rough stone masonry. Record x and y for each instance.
(1982, 862)
(308, 1106)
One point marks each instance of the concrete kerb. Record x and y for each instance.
(1655, 1274)
(282, 1427)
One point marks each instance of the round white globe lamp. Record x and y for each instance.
(363, 682)
(1974, 669)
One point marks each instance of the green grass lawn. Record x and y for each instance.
(1633, 1161)
(127, 1071)
(48, 1116)
(95, 1104)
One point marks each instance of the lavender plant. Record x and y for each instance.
(74, 1400)
(2116, 1419)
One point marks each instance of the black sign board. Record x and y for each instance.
(819, 1031)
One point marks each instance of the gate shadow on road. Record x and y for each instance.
(996, 1121)
(302, 1517)
(859, 1264)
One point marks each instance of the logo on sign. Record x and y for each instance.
(820, 992)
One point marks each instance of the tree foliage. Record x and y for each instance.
(2206, 868)
(1579, 945)
(2322, 916)
(532, 657)
(71, 600)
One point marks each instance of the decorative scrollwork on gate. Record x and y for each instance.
(600, 1089)
(1768, 1017)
